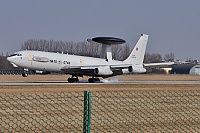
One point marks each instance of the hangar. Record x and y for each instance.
(193, 69)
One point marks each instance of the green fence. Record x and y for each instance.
(101, 111)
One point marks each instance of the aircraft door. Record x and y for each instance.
(30, 58)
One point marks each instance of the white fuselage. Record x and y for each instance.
(47, 61)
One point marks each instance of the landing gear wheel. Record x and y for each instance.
(97, 79)
(72, 80)
(92, 80)
(24, 74)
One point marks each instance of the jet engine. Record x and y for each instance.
(132, 69)
(103, 71)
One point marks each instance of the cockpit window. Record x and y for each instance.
(12, 55)
(15, 54)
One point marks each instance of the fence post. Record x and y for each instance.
(87, 112)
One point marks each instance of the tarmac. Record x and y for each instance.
(103, 82)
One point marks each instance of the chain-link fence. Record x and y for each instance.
(41, 112)
(101, 111)
(146, 111)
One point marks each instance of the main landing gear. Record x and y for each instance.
(92, 80)
(72, 80)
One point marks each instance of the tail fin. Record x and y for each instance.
(137, 55)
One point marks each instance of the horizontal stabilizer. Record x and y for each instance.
(162, 64)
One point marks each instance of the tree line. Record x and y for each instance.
(119, 52)
(77, 48)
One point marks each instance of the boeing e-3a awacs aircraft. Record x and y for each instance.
(78, 66)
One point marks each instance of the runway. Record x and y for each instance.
(103, 82)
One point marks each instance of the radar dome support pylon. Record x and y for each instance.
(106, 42)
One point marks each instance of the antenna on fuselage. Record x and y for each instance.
(106, 42)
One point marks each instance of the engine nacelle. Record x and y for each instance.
(125, 71)
(103, 71)
(132, 69)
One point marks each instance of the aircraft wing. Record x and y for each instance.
(117, 67)
(162, 64)
(90, 69)
(78, 70)
(93, 67)
(66, 68)
(102, 70)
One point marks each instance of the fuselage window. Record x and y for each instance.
(19, 54)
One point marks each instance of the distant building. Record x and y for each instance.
(167, 70)
(186, 69)
(196, 61)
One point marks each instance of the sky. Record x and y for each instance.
(172, 25)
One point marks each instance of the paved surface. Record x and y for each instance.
(102, 82)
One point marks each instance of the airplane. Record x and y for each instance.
(79, 66)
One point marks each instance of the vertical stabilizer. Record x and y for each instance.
(137, 55)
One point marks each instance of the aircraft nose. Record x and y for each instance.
(12, 61)
(9, 59)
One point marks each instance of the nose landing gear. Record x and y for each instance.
(25, 73)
